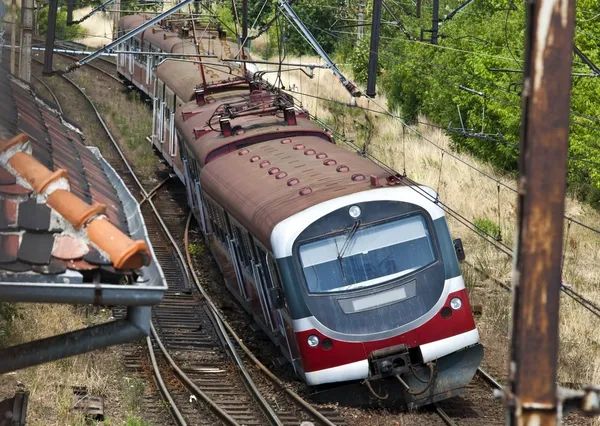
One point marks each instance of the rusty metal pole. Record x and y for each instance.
(50, 34)
(542, 176)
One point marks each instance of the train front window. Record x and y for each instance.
(372, 255)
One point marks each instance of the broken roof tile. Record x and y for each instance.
(15, 189)
(8, 213)
(6, 178)
(94, 257)
(16, 266)
(81, 265)
(67, 247)
(53, 267)
(9, 245)
(34, 216)
(36, 247)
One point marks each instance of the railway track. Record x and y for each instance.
(459, 411)
(195, 364)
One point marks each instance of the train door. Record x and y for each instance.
(235, 251)
(268, 280)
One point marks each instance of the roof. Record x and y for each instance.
(184, 77)
(279, 178)
(207, 142)
(64, 212)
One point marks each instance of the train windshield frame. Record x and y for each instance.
(368, 255)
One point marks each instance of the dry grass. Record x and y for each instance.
(128, 118)
(477, 198)
(50, 385)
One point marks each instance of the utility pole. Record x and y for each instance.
(116, 18)
(435, 21)
(374, 51)
(533, 398)
(418, 9)
(13, 35)
(50, 33)
(360, 19)
(70, 7)
(244, 21)
(27, 35)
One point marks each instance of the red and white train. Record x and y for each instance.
(351, 271)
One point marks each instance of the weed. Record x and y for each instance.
(196, 249)
(487, 227)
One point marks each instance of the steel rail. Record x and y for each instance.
(164, 392)
(147, 198)
(444, 416)
(177, 416)
(488, 378)
(51, 93)
(293, 395)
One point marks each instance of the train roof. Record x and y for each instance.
(206, 142)
(259, 196)
(184, 77)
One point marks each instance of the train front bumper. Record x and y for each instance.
(452, 373)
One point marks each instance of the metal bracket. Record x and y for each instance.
(13, 411)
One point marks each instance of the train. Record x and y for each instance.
(349, 269)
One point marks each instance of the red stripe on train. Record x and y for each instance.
(343, 352)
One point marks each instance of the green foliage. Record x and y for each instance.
(196, 249)
(63, 31)
(487, 227)
(420, 78)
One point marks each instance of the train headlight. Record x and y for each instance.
(456, 303)
(354, 212)
(313, 341)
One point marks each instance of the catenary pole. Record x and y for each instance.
(27, 36)
(50, 34)
(541, 200)
(374, 52)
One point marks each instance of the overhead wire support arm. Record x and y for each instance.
(127, 36)
(398, 21)
(92, 12)
(350, 86)
(456, 11)
(586, 60)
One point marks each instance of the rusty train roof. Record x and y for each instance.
(265, 183)
(184, 77)
(207, 142)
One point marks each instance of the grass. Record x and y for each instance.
(483, 201)
(127, 116)
(51, 384)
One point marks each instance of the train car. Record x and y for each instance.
(169, 80)
(349, 270)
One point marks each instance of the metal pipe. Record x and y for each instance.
(374, 51)
(135, 326)
(125, 37)
(541, 202)
(50, 34)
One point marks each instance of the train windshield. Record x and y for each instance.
(365, 257)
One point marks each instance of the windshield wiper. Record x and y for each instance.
(348, 239)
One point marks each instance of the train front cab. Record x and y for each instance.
(377, 299)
